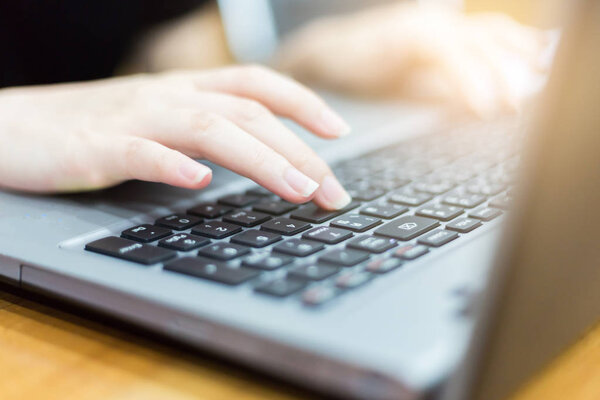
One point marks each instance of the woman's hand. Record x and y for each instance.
(92, 135)
(482, 61)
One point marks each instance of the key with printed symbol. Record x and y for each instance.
(327, 234)
(211, 270)
(246, 218)
(440, 211)
(385, 211)
(411, 251)
(464, 200)
(438, 237)
(129, 250)
(274, 207)
(267, 262)
(383, 265)
(355, 222)
(256, 238)
(178, 222)
(183, 242)
(372, 244)
(298, 247)
(209, 210)
(285, 226)
(485, 213)
(223, 251)
(312, 213)
(464, 225)
(145, 233)
(281, 287)
(407, 227)
(313, 272)
(216, 229)
(344, 257)
(409, 198)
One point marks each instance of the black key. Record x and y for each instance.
(246, 218)
(178, 222)
(352, 279)
(317, 295)
(464, 200)
(355, 222)
(313, 272)
(383, 265)
(409, 198)
(463, 225)
(298, 247)
(345, 257)
(281, 287)
(407, 228)
(183, 242)
(274, 207)
(316, 215)
(223, 251)
(145, 233)
(327, 235)
(238, 200)
(440, 211)
(285, 226)
(266, 261)
(209, 210)
(365, 194)
(129, 250)
(216, 229)
(259, 191)
(372, 244)
(211, 270)
(485, 213)
(438, 238)
(256, 238)
(411, 251)
(385, 211)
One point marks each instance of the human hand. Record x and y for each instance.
(425, 52)
(84, 136)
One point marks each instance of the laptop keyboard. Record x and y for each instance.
(408, 201)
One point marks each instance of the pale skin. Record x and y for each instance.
(152, 127)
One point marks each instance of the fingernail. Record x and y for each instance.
(193, 171)
(300, 182)
(334, 193)
(334, 124)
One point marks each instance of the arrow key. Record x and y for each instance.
(285, 226)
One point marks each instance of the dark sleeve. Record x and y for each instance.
(49, 41)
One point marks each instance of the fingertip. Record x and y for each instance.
(332, 125)
(195, 174)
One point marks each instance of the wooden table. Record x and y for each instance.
(49, 354)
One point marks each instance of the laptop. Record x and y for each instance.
(468, 259)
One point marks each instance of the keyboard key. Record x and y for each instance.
(440, 211)
(266, 261)
(344, 257)
(216, 229)
(312, 213)
(209, 210)
(385, 211)
(129, 250)
(274, 207)
(411, 251)
(408, 198)
(485, 213)
(318, 295)
(352, 279)
(313, 272)
(327, 234)
(223, 251)
(372, 244)
(178, 222)
(183, 242)
(366, 194)
(438, 238)
(211, 270)
(298, 247)
(285, 226)
(145, 233)
(246, 218)
(407, 228)
(464, 200)
(464, 225)
(256, 238)
(433, 187)
(281, 287)
(485, 189)
(259, 191)
(383, 265)
(355, 222)
(503, 202)
(238, 200)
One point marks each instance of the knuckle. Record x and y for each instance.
(259, 159)
(203, 123)
(250, 110)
